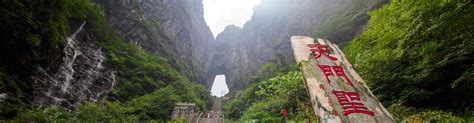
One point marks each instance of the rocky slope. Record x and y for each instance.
(59, 53)
(49, 56)
(81, 75)
(266, 37)
(173, 29)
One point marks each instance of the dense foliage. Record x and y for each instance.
(147, 86)
(33, 34)
(155, 106)
(263, 100)
(280, 92)
(271, 69)
(419, 54)
(344, 25)
(242, 99)
(139, 72)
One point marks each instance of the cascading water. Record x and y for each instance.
(80, 76)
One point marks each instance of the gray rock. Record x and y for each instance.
(81, 75)
(239, 53)
(174, 29)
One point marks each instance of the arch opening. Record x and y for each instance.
(219, 86)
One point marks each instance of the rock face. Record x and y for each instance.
(227, 56)
(239, 53)
(174, 29)
(81, 74)
(70, 73)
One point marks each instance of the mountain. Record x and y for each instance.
(173, 29)
(415, 56)
(49, 56)
(240, 52)
(133, 53)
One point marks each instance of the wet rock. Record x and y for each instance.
(81, 75)
(265, 38)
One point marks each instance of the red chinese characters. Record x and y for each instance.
(319, 50)
(350, 102)
(326, 71)
(337, 69)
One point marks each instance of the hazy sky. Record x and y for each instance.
(219, 86)
(221, 13)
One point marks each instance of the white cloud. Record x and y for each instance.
(221, 13)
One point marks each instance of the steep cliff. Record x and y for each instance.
(60, 55)
(227, 50)
(265, 38)
(50, 56)
(173, 29)
(81, 74)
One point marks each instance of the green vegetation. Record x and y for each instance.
(263, 100)
(140, 72)
(417, 56)
(404, 113)
(280, 92)
(156, 106)
(342, 26)
(10, 105)
(147, 86)
(271, 69)
(33, 34)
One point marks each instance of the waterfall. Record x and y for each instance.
(72, 51)
(81, 74)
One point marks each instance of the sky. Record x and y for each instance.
(221, 13)
(219, 86)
